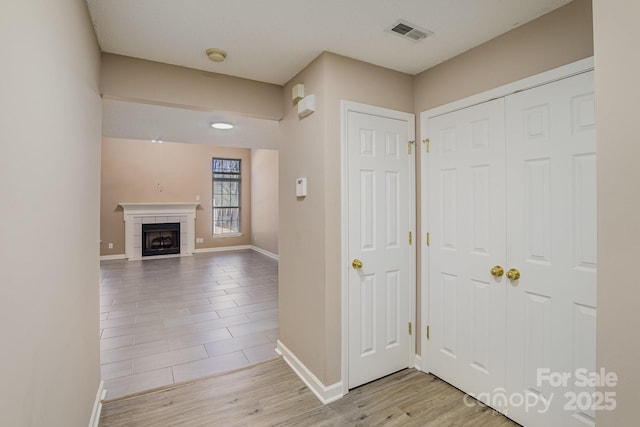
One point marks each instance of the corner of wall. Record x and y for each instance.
(325, 394)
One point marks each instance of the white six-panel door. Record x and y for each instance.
(551, 211)
(467, 227)
(380, 210)
(531, 185)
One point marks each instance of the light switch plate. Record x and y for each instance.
(301, 187)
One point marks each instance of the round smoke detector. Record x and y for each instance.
(216, 55)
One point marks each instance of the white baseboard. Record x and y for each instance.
(265, 252)
(223, 249)
(417, 363)
(323, 393)
(204, 250)
(110, 257)
(97, 405)
(237, 248)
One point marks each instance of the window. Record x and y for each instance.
(226, 196)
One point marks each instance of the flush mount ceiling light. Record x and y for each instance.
(216, 55)
(223, 126)
(157, 141)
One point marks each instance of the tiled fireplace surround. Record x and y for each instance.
(136, 214)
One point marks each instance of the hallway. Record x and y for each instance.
(164, 321)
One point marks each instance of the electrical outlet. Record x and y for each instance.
(199, 240)
(110, 245)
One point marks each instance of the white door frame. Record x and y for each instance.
(563, 72)
(346, 107)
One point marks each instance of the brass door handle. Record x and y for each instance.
(356, 263)
(497, 271)
(513, 274)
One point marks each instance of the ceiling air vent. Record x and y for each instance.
(408, 30)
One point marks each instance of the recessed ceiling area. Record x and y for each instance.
(130, 120)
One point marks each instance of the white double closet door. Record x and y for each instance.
(511, 183)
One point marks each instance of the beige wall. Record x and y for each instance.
(50, 186)
(135, 79)
(302, 224)
(143, 171)
(310, 250)
(557, 38)
(264, 200)
(617, 67)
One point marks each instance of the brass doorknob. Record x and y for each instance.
(356, 263)
(513, 274)
(497, 271)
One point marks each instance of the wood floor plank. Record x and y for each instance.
(271, 394)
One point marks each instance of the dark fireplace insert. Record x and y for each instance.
(160, 239)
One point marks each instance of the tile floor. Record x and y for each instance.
(165, 321)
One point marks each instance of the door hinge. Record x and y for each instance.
(428, 239)
(409, 146)
(427, 331)
(409, 328)
(426, 144)
(410, 238)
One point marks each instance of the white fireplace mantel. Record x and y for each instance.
(136, 214)
(165, 208)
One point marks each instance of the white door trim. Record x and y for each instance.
(530, 82)
(346, 107)
(562, 72)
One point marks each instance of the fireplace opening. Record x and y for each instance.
(161, 239)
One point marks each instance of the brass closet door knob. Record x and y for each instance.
(356, 263)
(497, 271)
(513, 274)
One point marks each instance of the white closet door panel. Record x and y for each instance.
(551, 240)
(467, 217)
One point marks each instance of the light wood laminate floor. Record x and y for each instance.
(170, 320)
(271, 394)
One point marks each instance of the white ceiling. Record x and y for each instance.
(271, 41)
(130, 120)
